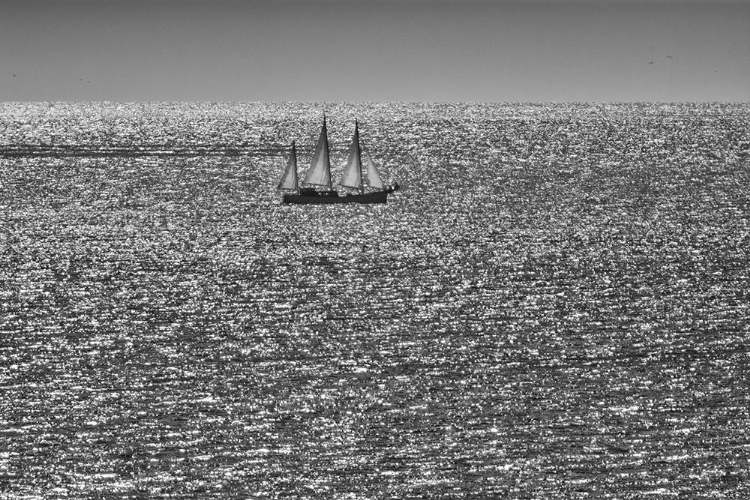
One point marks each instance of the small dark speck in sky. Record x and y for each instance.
(669, 57)
(652, 62)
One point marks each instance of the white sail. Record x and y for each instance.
(289, 179)
(373, 176)
(353, 171)
(319, 173)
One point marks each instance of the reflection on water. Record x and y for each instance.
(554, 305)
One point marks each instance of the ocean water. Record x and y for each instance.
(554, 305)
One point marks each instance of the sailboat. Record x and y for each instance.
(317, 187)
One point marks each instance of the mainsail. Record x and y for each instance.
(373, 176)
(289, 179)
(353, 171)
(319, 173)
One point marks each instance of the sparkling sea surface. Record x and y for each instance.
(556, 304)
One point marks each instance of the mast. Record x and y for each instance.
(319, 173)
(359, 156)
(353, 171)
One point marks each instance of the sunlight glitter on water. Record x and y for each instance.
(558, 313)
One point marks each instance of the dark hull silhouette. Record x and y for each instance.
(310, 197)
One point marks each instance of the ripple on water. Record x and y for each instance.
(544, 310)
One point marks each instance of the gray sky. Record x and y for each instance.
(374, 50)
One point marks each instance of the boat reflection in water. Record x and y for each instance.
(317, 187)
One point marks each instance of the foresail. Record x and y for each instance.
(353, 171)
(319, 173)
(289, 179)
(373, 176)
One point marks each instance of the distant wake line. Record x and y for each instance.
(21, 150)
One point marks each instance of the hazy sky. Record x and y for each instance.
(374, 50)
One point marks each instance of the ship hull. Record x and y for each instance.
(315, 198)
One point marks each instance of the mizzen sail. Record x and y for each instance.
(373, 176)
(353, 171)
(319, 173)
(289, 179)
